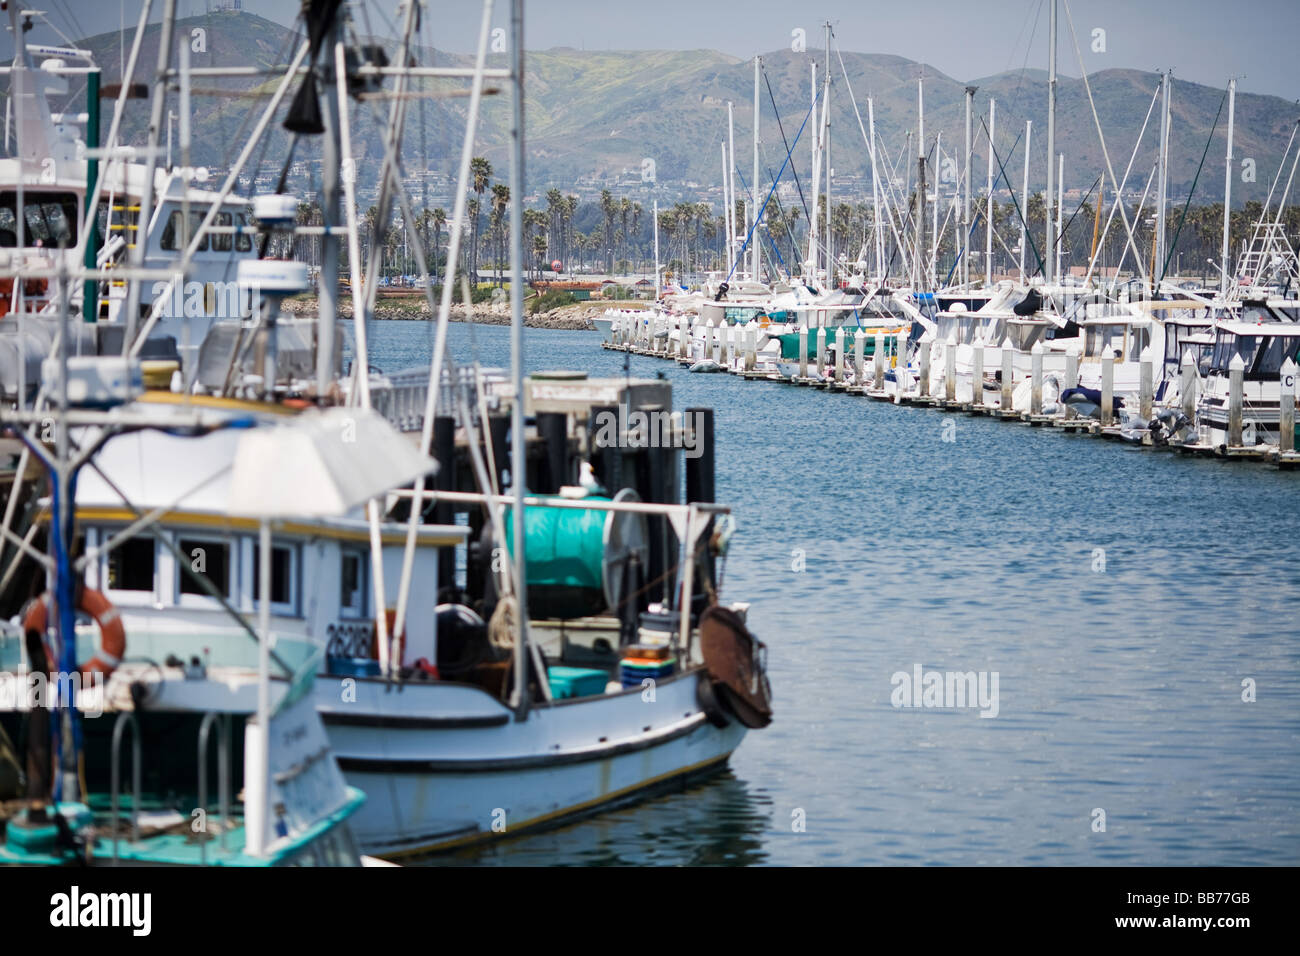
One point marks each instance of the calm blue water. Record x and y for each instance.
(1119, 689)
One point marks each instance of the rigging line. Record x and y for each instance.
(1164, 268)
(1132, 243)
(1033, 246)
(763, 208)
(1105, 152)
(858, 113)
(1096, 182)
(781, 126)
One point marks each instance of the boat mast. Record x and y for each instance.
(826, 114)
(1049, 268)
(917, 267)
(143, 218)
(327, 281)
(656, 224)
(988, 201)
(875, 193)
(934, 214)
(1060, 205)
(964, 245)
(734, 250)
(754, 261)
(1227, 193)
(1024, 201)
(813, 251)
(726, 219)
(1162, 198)
(518, 442)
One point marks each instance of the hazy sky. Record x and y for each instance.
(1202, 40)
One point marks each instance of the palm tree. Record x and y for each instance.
(608, 207)
(470, 256)
(481, 171)
(438, 220)
(500, 203)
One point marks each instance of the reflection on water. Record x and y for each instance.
(718, 821)
(1122, 596)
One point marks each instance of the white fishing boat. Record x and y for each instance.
(476, 706)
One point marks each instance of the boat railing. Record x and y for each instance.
(223, 775)
(125, 719)
(403, 397)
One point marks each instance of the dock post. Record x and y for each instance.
(1236, 383)
(803, 351)
(1286, 408)
(1008, 375)
(1108, 388)
(1187, 385)
(1036, 385)
(923, 363)
(977, 371)
(839, 355)
(950, 367)
(751, 348)
(859, 357)
(821, 351)
(1146, 393)
(1071, 376)
(878, 361)
(710, 342)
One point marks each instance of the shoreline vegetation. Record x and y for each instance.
(413, 308)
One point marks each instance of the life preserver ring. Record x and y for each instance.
(112, 644)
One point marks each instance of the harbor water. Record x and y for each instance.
(1138, 610)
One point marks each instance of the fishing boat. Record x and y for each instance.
(593, 664)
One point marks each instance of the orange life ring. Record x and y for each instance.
(112, 645)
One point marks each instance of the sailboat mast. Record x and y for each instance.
(813, 251)
(656, 226)
(1227, 193)
(964, 245)
(918, 274)
(726, 220)
(1162, 200)
(1049, 269)
(754, 263)
(1024, 201)
(875, 193)
(731, 185)
(830, 223)
(988, 202)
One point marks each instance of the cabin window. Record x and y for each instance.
(207, 559)
(352, 584)
(223, 241)
(284, 583)
(50, 218)
(243, 243)
(173, 232)
(1272, 353)
(131, 565)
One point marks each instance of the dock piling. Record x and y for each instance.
(1008, 376)
(950, 367)
(1286, 408)
(1108, 389)
(1145, 387)
(1236, 383)
(1036, 386)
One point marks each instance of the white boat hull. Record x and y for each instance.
(447, 764)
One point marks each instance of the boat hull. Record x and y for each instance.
(445, 765)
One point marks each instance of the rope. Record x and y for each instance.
(1164, 268)
(763, 208)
